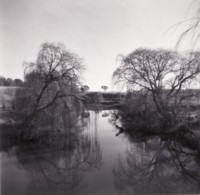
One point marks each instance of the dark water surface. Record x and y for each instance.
(25, 176)
(101, 164)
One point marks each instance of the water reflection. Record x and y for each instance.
(157, 166)
(156, 162)
(77, 155)
(55, 161)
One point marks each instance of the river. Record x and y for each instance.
(101, 164)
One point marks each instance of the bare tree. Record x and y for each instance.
(55, 75)
(162, 73)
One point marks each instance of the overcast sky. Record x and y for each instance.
(97, 30)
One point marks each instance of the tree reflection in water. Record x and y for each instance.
(56, 160)
(158, 166)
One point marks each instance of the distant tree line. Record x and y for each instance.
(10, 82)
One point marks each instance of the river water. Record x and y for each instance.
(18, 177)
(101, 164)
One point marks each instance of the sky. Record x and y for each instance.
(97, 30)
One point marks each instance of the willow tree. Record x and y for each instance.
(163, 74)
(192, 22)
(55, 75)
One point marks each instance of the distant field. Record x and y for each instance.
(7, 94)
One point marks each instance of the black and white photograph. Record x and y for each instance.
(99, 97)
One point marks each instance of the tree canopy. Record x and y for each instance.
(162, 73)
(55, 75)
(156, 69)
